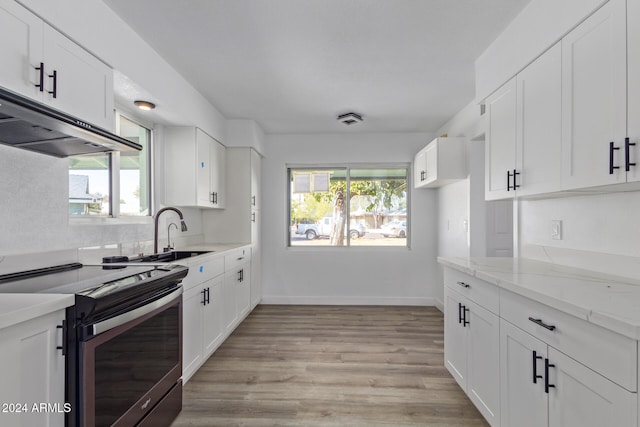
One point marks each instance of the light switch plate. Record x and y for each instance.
(556, 229)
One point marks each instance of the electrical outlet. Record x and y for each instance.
(556, 229)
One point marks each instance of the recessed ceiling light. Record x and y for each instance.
(144, 105)
(350, 118)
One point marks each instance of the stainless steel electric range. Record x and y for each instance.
(123, 342)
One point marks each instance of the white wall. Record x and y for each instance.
(345, 275)
(599, 232)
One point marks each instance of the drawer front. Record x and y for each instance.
(237, 257)
(610, 354)
(203, 270)
(482, 293)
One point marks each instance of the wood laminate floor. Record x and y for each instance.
(329, 366)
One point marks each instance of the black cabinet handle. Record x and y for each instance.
(612, 148)
(40, 85)
(54, 78)
(205, 296)
(253, 200)
(241, 275)
(459, 312)
(422, 177)
(535, 367)
(547, 385)
(541, 323)
(465, 310)
(509, 181)
(253, 217)
(627, 160)
(63, 346)
(464, 285)
(515, 184)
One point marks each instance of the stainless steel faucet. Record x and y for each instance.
(169, 245)
(183, 226)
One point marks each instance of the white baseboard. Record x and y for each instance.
(439, 304)
(343, 300)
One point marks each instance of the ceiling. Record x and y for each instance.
(294, 65)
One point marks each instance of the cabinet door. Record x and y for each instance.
(256, 271)
(633, 89)
(539, 113)
(243, 292)
(500, 144)
(523, 403)
(32, 371)
(203, 168)
(419, 169)
(483, 385)
(256, 181)
(218, 174)
(583, 398)
(192, 304)
(20, 49)
(229, 297)
(455, 338)
(594, 98)
(212, 316)
(83, 84)
(431, 162)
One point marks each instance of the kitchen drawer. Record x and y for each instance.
(482, 293)
(201, 270)
(610, 354)
(237, 257)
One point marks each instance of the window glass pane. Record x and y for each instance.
(89, 185)
(378, 207)
(371, 201)
(317, 208)
(134, 170)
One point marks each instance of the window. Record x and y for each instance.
(348, 206)
(96, 181)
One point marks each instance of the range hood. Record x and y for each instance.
(30, 125)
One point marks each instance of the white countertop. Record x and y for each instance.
(609, 301)
(18, 308)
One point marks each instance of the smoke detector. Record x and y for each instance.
(350, 118)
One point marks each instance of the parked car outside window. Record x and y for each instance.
(394, 228)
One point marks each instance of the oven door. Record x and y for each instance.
(131, 363)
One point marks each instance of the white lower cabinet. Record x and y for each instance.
(32, 372)
(202, 323)
(237, 288)
(525, 364)
(472, 352)
(217, 297)
(541, 386)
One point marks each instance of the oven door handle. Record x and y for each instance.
(114, 322)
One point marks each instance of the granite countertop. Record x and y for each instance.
(18, 308)
(608, 301)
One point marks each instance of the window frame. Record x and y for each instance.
(348, 166)
(114, 215)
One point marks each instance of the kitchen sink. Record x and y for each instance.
(168, 256)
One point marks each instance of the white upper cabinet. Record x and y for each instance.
(523, 148)
(41, 63)
(441, 162)
(194, 169)
(594, 98)
(539, 125)
(633, 99)
(500, 144)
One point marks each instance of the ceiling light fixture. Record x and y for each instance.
(350, 118)
(144, 105)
